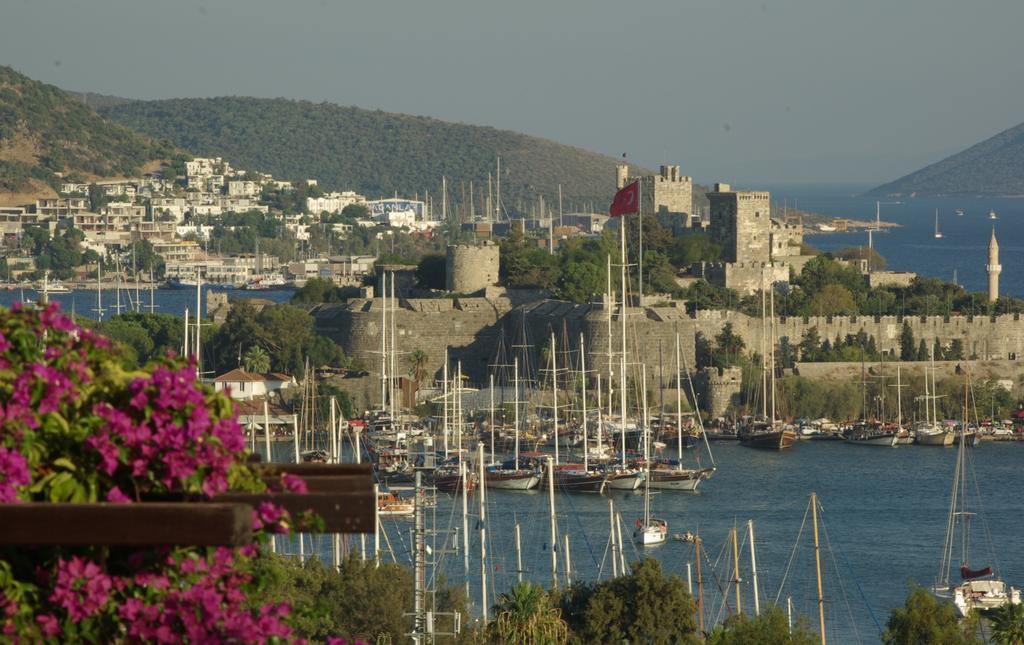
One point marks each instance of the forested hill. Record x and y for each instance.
(373, 152)
(994, 167)
(44, 131)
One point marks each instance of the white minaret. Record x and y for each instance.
(993, 267)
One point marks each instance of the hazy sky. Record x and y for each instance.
(791, 91)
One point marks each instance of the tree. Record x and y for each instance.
(810, 345)
(922, 351)
(923, 619)
(418, 361)
(729, 347)
(645, 606)
(579, 281)
(907, 352)
(431, 272)
(356, 211)
(771, 626)
(525, 615)
(832, 300)
(955, 351)
(1007, 624)
(256, 360)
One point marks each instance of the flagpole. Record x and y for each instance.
(640, 259)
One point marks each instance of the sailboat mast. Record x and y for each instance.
(444, 423)
(583, 398)
(384, 342)
(199, 326)
(483, 534)
(764, 354)
(515, 378)
(736, 569)
(700, 585)
(491, 421)
(753, 567)
(554, 391)
(771, 297)
(554, 527)
(622, 319)
(679, 406)
(817, 566)
(184, 348)
(600, 420)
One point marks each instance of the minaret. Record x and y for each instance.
(993, 267)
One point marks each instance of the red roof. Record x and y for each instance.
(238, 376)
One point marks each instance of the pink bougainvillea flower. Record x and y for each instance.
(13, 474)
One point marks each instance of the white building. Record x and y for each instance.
(242, 385)
(333, 202)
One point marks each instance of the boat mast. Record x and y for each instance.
(583, 396)
(600, 420)
(611, 539)
(753, 567)
(700, 585)
(609, 306)
(771, 298)
(622, 319)
(515, 378)
(679, 406)
(736, 569)
(817, 565)
(764, 354)
(483, 535)
(184, 348)
(392, 351)
(459, 418)
(444, 423)
(384, 346)
(647, 456)
(491, 422)
(554, 528)
(199, 327)
(554, 391)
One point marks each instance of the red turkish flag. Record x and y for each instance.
(626, 201)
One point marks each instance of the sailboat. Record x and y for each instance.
(668, 476)
(992, 215)
(767, 433)
(978, 589)
(649, 531)
(511, 475)
(938, 233)
(867, 433)
(929, 432)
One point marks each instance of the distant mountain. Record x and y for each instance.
(97, 101)
(994, 166)
(373, 152)
(45, 131)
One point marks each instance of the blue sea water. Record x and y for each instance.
(881, 526)
(963, 247)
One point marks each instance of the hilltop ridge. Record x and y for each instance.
(370, 151)
(993, 167)
(45, 133)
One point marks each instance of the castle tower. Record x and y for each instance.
(621, 175)
(740, 223)
(993, 267)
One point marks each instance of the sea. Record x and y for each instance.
(883, 510)
(881, 525)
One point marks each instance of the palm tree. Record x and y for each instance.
(525, 615)
(256, 360)
(1008, 624)
(418, 360)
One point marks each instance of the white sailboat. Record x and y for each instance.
(992, 215)
(978, 589)
(938, 233)
(649, 531)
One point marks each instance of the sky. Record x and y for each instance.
(773, 91)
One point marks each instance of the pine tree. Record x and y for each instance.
(907, 343)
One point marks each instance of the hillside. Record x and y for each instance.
(373, 152)
(44, 131)
(994, 166)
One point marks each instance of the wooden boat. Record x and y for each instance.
(573, 478)
(668, 477)
(766, 436)
(448, 480)
(507, 477)
(873, 434)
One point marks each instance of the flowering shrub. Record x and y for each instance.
(77, 427)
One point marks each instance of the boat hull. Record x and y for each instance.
(773, 440)
(512, 480)
(685, 480)
(937, 439)
(625, 481)
(655, 533)
(885, 440)
(581, 482)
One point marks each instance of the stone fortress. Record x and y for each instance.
(476, 316)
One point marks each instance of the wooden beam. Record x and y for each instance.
(342, 512)
(139, 524)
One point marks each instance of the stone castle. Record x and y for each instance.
(477, 316)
